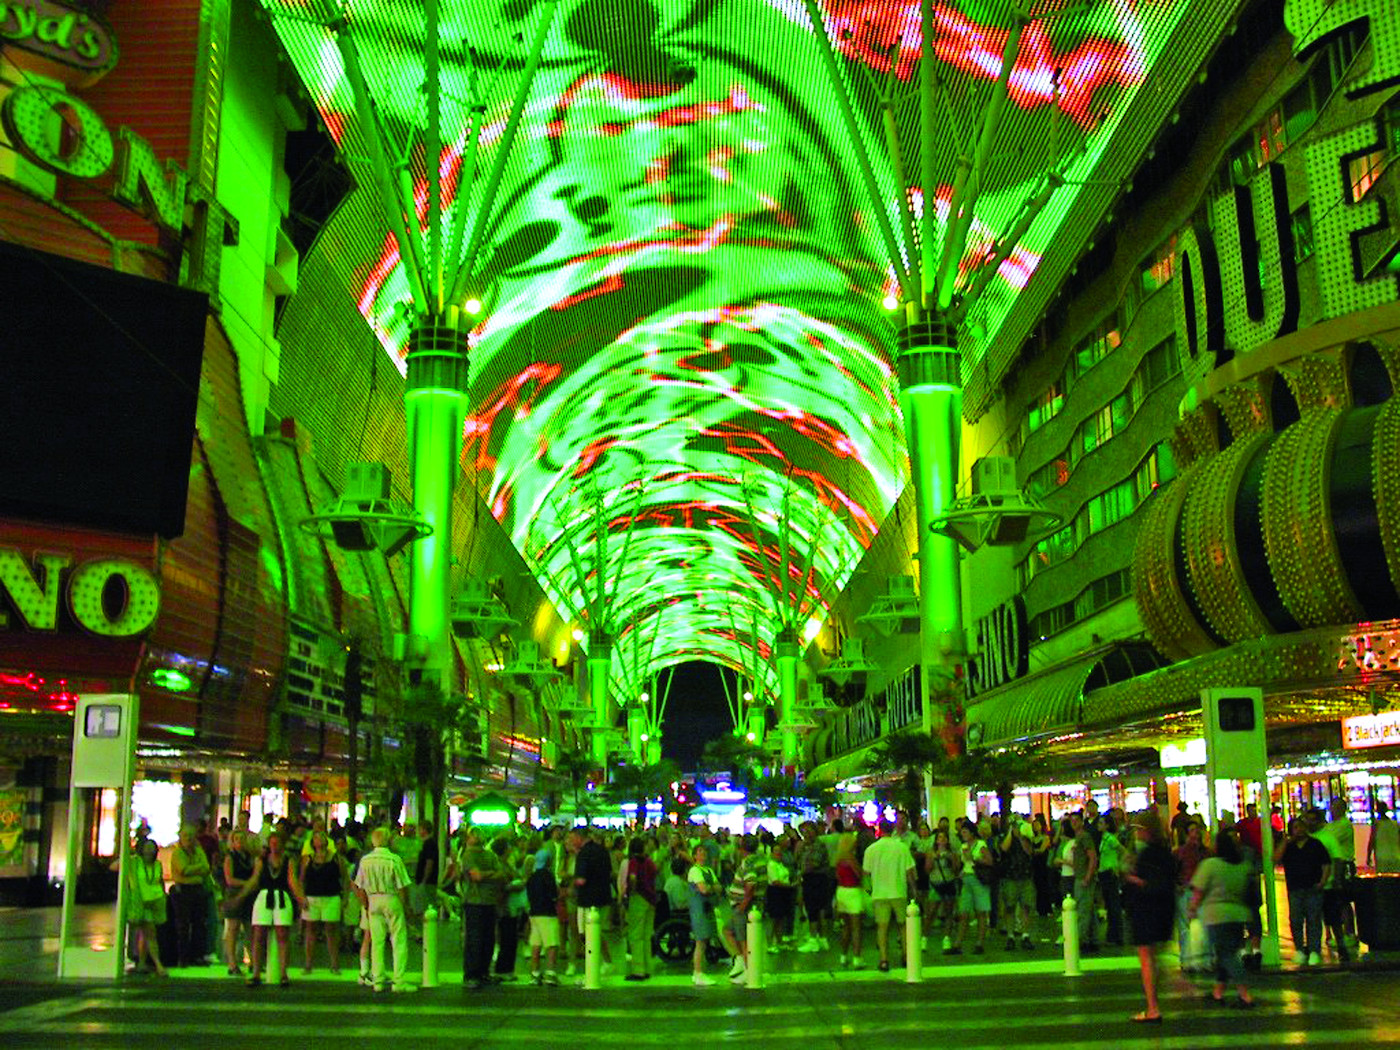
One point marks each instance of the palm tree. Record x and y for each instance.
(740, 758)
(576, 764)
(913, 754)
(643, 783)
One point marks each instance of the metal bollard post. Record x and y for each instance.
(592, 949)
(1069, 922)
(913, 950)
(430, 948)
(758, 951)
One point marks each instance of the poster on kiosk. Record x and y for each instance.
(1236, 752)
(104, 755)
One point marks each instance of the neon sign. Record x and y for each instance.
(108, 597)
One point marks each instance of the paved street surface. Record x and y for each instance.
(1000, 1001)
(963, 1012)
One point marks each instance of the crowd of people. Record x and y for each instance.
(813, 887)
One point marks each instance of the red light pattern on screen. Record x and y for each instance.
(867, 29)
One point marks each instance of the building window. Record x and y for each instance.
(1159, 268)
(1052, 621)
(1106, 337)
(1363, 172)
(1045, 408)
(1160, 365)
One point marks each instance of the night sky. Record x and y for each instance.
(695, 713)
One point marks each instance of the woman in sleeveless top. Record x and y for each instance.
(238, 909)
(323, 878)
(145, 903)
(276, 891)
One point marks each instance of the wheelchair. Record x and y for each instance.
(672, 940)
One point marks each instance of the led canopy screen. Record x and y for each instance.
(685, 276)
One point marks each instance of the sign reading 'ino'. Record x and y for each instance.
(108, 597)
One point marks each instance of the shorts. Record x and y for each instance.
(544, 931)
(1018, 891)
(279, 910)
(738, 924)
(850, 900)
(974, 897)
(887, 908)
(322, 909)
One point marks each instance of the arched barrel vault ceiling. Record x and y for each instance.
(682, 274)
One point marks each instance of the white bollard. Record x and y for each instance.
(758, 951)
(592, 949)
(430, 948)
(913, 950)
(1069, 922)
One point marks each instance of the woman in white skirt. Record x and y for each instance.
(278, 892)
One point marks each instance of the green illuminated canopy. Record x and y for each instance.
(682, 280)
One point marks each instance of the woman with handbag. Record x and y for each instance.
(237, 909)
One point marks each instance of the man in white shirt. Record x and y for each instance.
(890, 865)
(382, 884)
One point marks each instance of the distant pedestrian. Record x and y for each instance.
(276, 893)
(1149, 897)
(636, 883)
(384, 881)
(145, 903)
(543, 893)
(1383, 847)
(890, 865)
(703, 883)
(1219, 890)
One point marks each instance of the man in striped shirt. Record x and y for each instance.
(382, 884)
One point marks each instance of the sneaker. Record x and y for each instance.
(571, 969)
(1315, 959)
(551, 979)
(947, 943)
(738, 978)
(536, 977)
(810, 945)
(401, 989)
(923, 943)
(1300, 958)
(701, 981)
(841, 960)
(774, 949)
(1027, 943)
(366, 980)
(736, 968)
(826, 944)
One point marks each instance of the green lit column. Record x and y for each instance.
(930, 396)
(435, 401)
(653, 752)
(636, 732)
(786, 652)
(599, 667)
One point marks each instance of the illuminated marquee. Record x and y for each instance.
(108, 597)
(1362, 731)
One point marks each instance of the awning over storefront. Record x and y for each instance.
(1039, 704)
(1055, 700)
